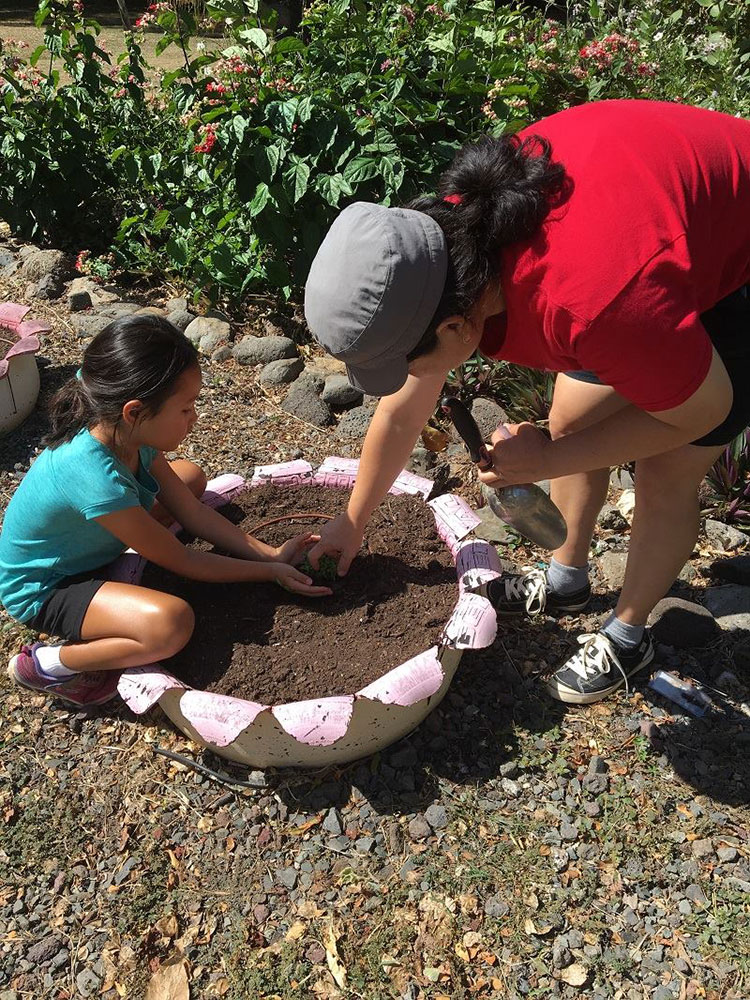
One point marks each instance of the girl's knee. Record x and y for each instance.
(170, 627)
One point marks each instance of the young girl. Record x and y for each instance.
(92, 493)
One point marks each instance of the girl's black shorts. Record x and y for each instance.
(63, 612)
(728, 326)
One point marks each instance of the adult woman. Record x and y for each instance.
(610, 243)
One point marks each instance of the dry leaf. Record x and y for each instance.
(297, 831)
(167, 926)
(335, 965)
(435, 440)
(539, 930)
(574, 975)
(309, 910)
(205, 824)
(532, 901)
(296, 931)
(170, 982)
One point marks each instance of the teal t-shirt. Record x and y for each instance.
(49, 531)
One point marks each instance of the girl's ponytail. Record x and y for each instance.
(495, 193)
(70, 410)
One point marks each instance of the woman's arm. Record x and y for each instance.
(624, 436)
(390, 438)
(138, 530)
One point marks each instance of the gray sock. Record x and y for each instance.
(624, 635)
(566, 579)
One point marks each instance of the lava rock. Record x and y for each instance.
(222, 353)
(612, 519)
(177, 304)
(355, 422)
(89, 326)
(213, 340)
(421, 461)
(419, 828)
(682, 624)
(730, 606)
(43, 950)
(52, 264)
(488, 414)
(735, 570)
(611, 568)
(180, 318)
(202, 326)
(262, 350)
(78, 301)
(724, 536)
(303, 401)
(339, 393)
(281, 372)
(436, 816)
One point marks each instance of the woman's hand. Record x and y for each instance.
(293, 551)
(340, 538)
(522, 457)
(289, 578)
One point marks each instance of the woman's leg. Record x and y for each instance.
(192, 476)
(128, 626)
(665, 526)
(580, 497)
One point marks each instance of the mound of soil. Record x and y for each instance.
(259, 642)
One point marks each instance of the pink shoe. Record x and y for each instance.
(89, 688)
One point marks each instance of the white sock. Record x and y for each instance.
(49, 662)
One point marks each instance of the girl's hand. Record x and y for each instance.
(293, 551)
(292, 580)
(524, 457)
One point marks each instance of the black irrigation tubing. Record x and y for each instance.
(224, 780)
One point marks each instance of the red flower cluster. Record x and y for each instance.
(209, 139)
(409, 14)
(602, 51)
(216, 88)
(81, 259)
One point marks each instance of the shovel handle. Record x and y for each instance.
(467, 427)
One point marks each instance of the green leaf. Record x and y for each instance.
(260, 200)
(361, 168)
(297, 178)
(267, 160)
(289, 44)
(178, 250)
(255, 37)
(332, 186)
(160, 220)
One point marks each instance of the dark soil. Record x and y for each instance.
(259, 642)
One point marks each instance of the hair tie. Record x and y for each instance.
(79, 374)
(454, 199)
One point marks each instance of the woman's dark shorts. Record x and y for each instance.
(63, 612)
(728, 326)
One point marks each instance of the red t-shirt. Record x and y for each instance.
(655, 231)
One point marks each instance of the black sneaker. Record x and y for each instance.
(599, 668)
(527, 593)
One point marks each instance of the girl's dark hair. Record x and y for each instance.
(507, 186)
(135, 357)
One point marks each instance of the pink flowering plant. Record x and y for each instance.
(228, 169)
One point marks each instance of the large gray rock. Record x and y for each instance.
(735, 570)
(49, 287)
(303, 401)
(78, 301)
(488, 414)
(354, 423)
(682, 624)
(201, 326)
(89, 326)
(181, 318)
(491, 528)
(177, 304)
(729, 605)
(213, 340)
(338, 392)
(725, 536)
(52, 264)
(281, 372)
(262, 350)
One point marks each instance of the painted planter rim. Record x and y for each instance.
(12, 319)
(220, 719)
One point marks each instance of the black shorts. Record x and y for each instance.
(728, 326)
(63, 612)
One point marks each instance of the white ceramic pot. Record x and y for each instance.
(19, 374)
(345, 727)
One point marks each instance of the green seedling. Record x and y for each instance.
(327, 572)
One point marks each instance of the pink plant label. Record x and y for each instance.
(319, 722)
(337, 473)
(477, 562)
(473, 624)
(217, 718)
(413, 681)
(408, 482)
(297, 473)
(454, 514)
(142, 687)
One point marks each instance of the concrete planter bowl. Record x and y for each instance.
(19, 375)
(330, 730)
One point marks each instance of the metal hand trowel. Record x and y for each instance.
(526, 507)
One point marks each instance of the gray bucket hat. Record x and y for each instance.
(372, 290)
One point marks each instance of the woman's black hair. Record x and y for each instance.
(506, 187)
(134, 357)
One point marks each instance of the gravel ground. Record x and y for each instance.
(511, 847)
